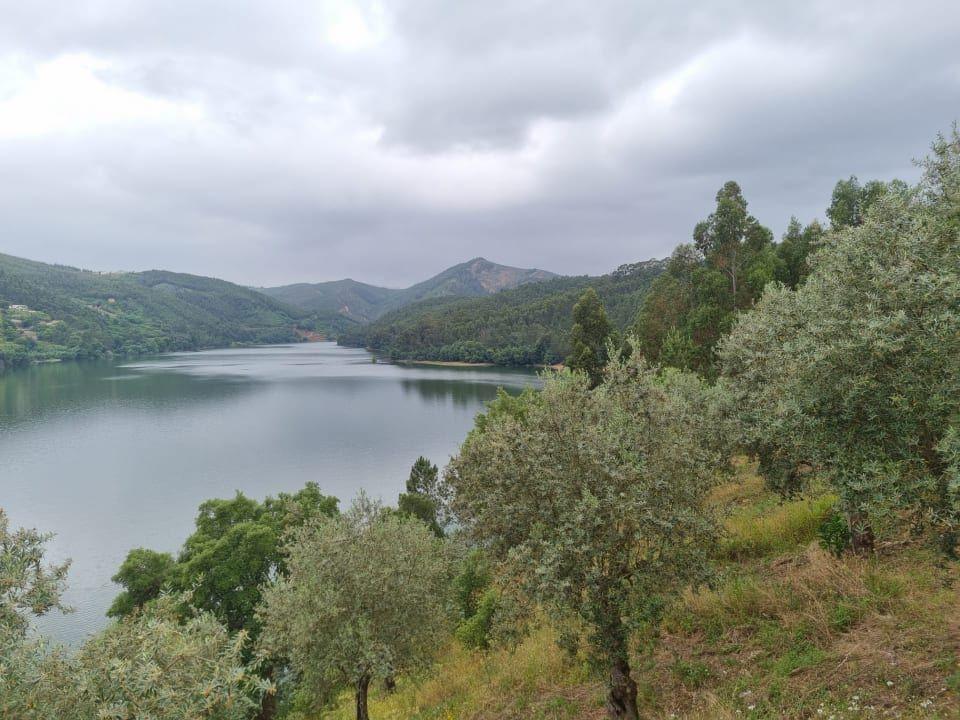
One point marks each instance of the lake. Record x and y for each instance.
(115, 456)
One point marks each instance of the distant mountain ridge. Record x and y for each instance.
(477, 311)
(525, 325)
(362, 303)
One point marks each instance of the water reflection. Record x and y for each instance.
(114, 456)
(52, 390)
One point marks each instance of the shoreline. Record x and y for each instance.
(447, 363)
(111, 356)
(464, 363)
(381, 356)
(301, 339)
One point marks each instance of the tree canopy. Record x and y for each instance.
(593, 498)
(27, 586)
(694, 303)
(69, 313)
(851, 201)
(589, 336)
(857, 371)
(156, 664)
(734, 242)
(422, 499)
(527, 325)
(235, 549)
(365, 597)
(153, 664)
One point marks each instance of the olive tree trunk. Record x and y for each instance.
(622, 691)
(268, 703)
(363, 684)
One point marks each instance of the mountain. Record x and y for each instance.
(362, 303)
(58, 312)
(348, 299)
(526, 325)
(474, 278)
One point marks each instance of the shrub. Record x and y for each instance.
(834, 533)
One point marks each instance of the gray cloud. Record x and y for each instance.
(289, 141)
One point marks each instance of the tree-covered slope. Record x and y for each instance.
(58, 312)
(525, 325)
(352, 300)
(360, 302)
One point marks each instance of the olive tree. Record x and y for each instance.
(857, 371)
(593, 500)
(152, 665)
(365, 597)
(27, 586)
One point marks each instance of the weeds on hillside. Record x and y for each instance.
(787, 631)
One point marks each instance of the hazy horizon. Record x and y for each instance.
(108, 271)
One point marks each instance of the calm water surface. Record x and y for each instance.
(115, 456)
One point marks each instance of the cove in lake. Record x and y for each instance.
(115, 456)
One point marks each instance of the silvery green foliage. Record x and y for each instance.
(594, 498)
(149, 666)
(858, 370)
(26, 585)
(949, 449)
(716, 421)
(366, 596)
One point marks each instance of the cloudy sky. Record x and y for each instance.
(280, 141)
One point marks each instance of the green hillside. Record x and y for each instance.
(360, 303)
(52, 312)
(354, 302)
(523, 326)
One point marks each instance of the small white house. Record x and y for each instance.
(18, 307)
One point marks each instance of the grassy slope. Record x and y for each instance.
(789, 632)
(76, 313)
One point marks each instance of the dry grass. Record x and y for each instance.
(788, 631)
(786, 638)
(534, 680)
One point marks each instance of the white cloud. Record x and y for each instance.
(68, 96)
(348, 26)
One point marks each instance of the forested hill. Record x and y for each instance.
(57, 312)
(359, 302)
(527, 325)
